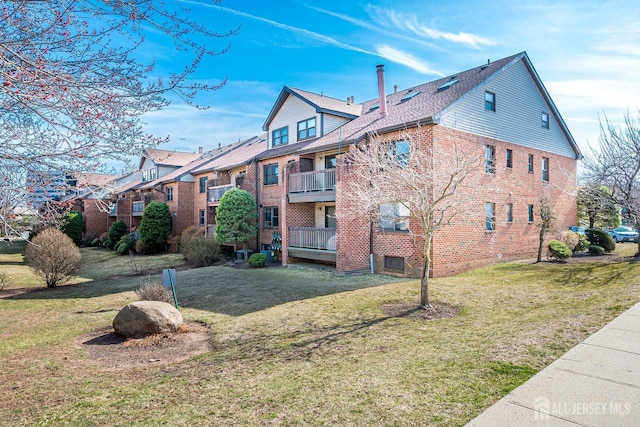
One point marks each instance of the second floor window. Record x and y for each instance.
(203, 184)
(280, 136)
(271, 174)
(169, 194)
(490, 158)
(490, 216)
(307, 128)
(394, 217)
(545, 169)
(400, 151)
(530, 164)
(509, 158)
(530, 213)
(271, 219)
(509, 208)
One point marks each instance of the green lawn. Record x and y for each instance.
(295, 347)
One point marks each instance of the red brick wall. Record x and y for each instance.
(464, 243)
(200, 200)
(181, 208)
(96, 222)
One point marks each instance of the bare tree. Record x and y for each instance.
(73, 87)
(615, 163)
(424, 179)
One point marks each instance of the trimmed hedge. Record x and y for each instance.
(600, 238)
(596, 250)
(559, 250)
(257, 260)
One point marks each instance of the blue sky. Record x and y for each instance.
(586, 52)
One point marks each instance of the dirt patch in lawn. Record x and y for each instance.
(114, 352)
(413, 311)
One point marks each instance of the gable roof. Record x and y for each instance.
(322, 104)
(242, 154)
(167, 157)
(186, 169)
(424, 104)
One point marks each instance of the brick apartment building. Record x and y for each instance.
(502, 104)
(302, 188)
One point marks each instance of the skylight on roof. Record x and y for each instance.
(410, 94)
(448, 84)
(375, 106)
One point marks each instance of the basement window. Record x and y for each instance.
(394, 263)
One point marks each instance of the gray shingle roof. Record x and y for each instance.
(425, 102)
(322, 104)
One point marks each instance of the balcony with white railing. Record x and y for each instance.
(137, 208)
(216, 193)
(313, 243)
(314, 186)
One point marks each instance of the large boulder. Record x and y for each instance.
(143, 318)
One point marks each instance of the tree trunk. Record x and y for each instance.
(542, 232)
(424, 273)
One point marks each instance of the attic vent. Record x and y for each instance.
(410, 94)
(448, 84)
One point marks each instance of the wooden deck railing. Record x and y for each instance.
(313, 238)
(323, 180)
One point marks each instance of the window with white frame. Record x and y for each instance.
(490, 101)
(490, 158)
(307, 129)
(509, 212)
(400, 151)
(280, 136)
(530, 163)
(545, 169)
(530, 213)
(169, 194)
(544, 120)
(270, 174)
(490, 216)
(394, 217)
(271, 217)
(203, 184)
(201, 218)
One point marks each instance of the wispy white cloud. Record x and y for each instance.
(404, 58)
(310, 34)
(409, 22)
(374, 28)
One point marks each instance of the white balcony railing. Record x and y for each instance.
(323, 180)
(313, 238)
(216, 193)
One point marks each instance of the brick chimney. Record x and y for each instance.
(199, 150)
(381, 93)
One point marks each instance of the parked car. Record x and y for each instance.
(624, 234)
(576, 229)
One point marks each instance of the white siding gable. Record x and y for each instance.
(292, 111)
(517, 119)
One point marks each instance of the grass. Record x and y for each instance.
(294, 347)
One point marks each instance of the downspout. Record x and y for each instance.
(371, 251)
(256, 184)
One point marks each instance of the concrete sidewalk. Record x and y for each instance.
(596, 383)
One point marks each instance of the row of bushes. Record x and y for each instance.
(595, 241)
